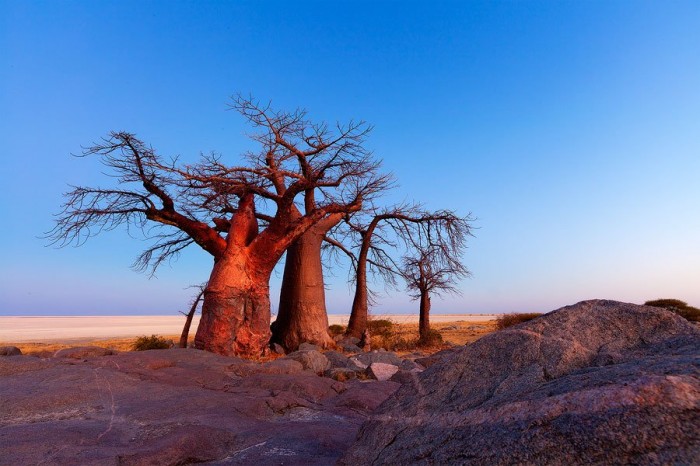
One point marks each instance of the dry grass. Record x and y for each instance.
(48, 348)
(458, 333)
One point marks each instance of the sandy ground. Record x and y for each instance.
(51, 329)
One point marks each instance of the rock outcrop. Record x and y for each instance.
(174, 407)
(598, 382)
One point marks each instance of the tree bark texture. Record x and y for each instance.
(302, 314)
(236, 308)
(424, 317)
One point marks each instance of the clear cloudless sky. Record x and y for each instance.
(570, 129)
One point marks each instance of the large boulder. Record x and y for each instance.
(598, 382)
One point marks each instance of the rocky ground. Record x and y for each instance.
(600, 382)
(91, 405)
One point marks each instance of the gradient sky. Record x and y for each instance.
(571, 130)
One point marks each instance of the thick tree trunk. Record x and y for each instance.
(236, 311)
(301, 316)
(424, 317)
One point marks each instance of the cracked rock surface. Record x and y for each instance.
(599, 382)
(174, 407)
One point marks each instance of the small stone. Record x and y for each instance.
(381, 371)
(356, 364)
(337, 359)
(308, 347)
(311, 360)
(386, 357)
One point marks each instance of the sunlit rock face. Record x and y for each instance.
(598, 382)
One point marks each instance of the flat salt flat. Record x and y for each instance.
(48, 329)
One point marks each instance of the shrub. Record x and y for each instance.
(380, 327)
(336, 329)
(434, 338)
(507, 320)
(153, 342)
(679, 307)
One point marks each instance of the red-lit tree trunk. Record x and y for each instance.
(302, 314)
(236, 307)
(424, 317)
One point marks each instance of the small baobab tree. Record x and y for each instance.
(431, 270)
(380, 233)
(217, 206)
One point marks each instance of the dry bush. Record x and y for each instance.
(679, 307)
(434, 338)
(380, 327)
(335, 330)
(507, 320)
(153, 342)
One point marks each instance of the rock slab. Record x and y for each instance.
(599, 382)
(175, 407)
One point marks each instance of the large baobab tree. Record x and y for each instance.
(217, 206)
(301, 315)
(377, 236)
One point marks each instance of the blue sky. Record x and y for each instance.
(571, 130)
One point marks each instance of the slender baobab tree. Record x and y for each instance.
(431, 270)
(217, 206)
(382, 231)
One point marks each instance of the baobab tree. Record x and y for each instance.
(301, 315)
(431, 270)
(217, 206)
(377, 236)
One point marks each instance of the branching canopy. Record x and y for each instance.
(302, 173)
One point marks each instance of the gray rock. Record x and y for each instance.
(313, 361)
(305, 346)
(381, 371)
(82, 352)
(10, 351)
(337, 359)
(599, 382)
(356, 364)
(450, 327)
(349, 348)
(385, 357)
(409, 365)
